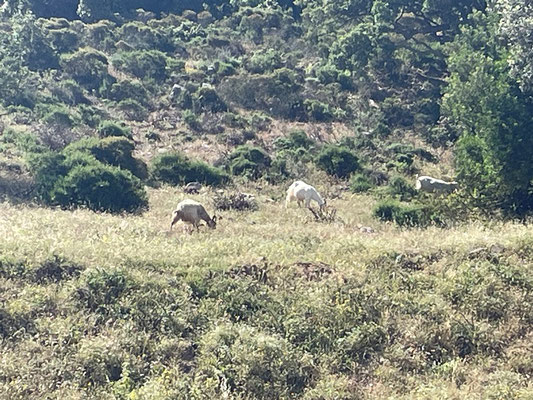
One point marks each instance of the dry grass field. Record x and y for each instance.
(271, 304)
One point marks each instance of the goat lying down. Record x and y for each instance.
(192, 212)
(303, 193)
(434, 185)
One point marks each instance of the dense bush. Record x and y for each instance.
(100, 187)
(337, 161)
(144, 64)
(110, 128)
(79, 179)
(360, 183)
(113, 150)
(177, 169)
(400, 188)
(406, 215)
(249, 161)
(88, 67)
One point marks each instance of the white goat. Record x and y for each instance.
(303, 193)
(434, 185)
(193, 212)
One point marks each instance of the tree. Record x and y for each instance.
(516, 25)
(493, 118)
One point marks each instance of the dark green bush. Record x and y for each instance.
(100, 187)
(88, 67)
(133, 110)
(248, 160)
(128, 89)
(111, 128)
(294, 140)
(360, 183)
(207, 99)
(69, 92)
(264, 61)
(177, 169)
(406, 215)
(318, 111)
(58, 115)
(338, 161)
(401, 189)
(113, 150)
(144, 64)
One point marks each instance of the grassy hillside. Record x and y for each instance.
(271, 304)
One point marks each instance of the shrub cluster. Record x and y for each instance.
(177, 169)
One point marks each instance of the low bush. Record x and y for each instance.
(145, 64)
(401, 189)
(133, 110)
(100, 187)
(338, 161)
(113, 150)
(177, 169)
(406, 215)
(249, 161)
(111, 128)
(88, 67)
(360, 183)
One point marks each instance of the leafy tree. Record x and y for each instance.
(493, 118)
(516, 25)
(337, 160)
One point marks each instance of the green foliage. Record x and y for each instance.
(88, 67)
(248, 161)
(111, 128)
(143, 64)
(113, 150)
(76, 177)
(253, 363)
(100, 187)
(262, 62)
(493, 154)
(128, 89)
(133, 110)
(58, 115)
(406, 215)
(294, 140)
(177, 169)
(352, 50)
(360, 183)
(400, 189)
(338, 161)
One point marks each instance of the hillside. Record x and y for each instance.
(109, 107)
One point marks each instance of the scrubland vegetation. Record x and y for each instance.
(271, 304)
(107, 108)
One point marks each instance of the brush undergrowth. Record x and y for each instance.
(269, 305)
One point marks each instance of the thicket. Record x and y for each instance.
(177, 169)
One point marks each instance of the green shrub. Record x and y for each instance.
(191, 119)
(100, 187)
(401, 189)
(69, 92)
(128, 89)
(88, 67)
(177, 169)
(264, 61)
(207, 99)
(294, 140)
(360, 183)
(338, 161)
(133, 110)
(111, 128)
(144, 64)
(248, 160)
(252, 363)
(411, 215)
(113, 150)
(58, 115)
(318, 111)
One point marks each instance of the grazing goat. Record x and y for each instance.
(192, 187)
(303, 193)
(434, 185)
(193, 212)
